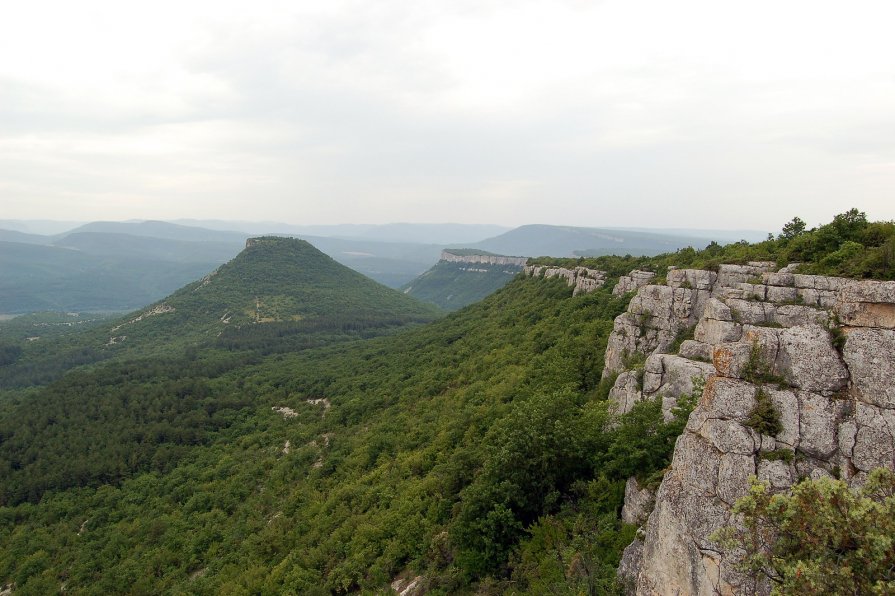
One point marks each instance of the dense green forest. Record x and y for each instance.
(306, 456)
(445, 450)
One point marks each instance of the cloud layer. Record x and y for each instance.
(650, 113)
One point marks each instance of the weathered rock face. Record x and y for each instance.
(633, 281)
(584, 280)
(820, 349)
(638, 502)
(450, 257)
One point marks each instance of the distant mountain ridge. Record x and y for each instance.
(567, 241)
(119, 266)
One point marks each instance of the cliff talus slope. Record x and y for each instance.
(799, 376)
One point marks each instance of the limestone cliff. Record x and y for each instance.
(482, 259)
(582, 279)
(820, 349)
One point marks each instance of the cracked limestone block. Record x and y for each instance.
(654, 318)
(794, 315)
(586, 285)
(763, 266)
(729, 436)
(808, 360)
(874, 446)
(753, 291)
(780, 475)
(629, 566)
(622, 341)
(751, 312)
(820, 282)
(670, 377)
(696, 350)
(717, 324)
(634, 280)
(713, 331)
(687, 512)
(738, 360)
(826, 299)
(819, 418)
(732, 275)
(870, 356)
(673, 375)
(782, 279)
(718, 310)
(697, 279)
(787, 405)
(867, 304)
(734, 472)
(731, 359)
(725, 398)
(781, 294)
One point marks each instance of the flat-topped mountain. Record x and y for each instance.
(463, 276)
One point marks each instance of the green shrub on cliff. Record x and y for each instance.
(822, 539)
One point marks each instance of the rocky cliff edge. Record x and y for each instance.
(820, 349)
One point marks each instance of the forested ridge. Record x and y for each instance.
(477, 451)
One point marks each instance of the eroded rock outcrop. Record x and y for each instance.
(584, 280)
(632, 282)
(819, 350)
(451, 257)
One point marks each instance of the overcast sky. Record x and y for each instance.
(628, 113)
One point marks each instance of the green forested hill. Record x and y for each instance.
(277, 294)
(277, 283)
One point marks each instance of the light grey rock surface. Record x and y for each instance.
(638, 502)
(821, 349)
(633, 281)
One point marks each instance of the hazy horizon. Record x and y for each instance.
(640, 114)
(51, 227)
